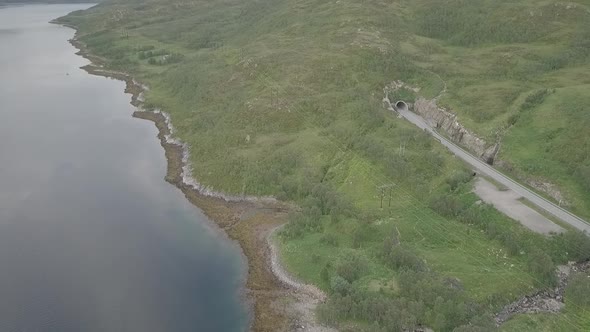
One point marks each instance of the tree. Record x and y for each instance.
(390, 243)
(541, 264)
(340, 285)
(578, 245)
(352, 267)
(400, 257)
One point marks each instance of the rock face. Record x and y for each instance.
(550, 189)
(446, 121)
(550, 300)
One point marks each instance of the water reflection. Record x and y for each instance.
(91, 237)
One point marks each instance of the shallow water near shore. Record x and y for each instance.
(91, 236)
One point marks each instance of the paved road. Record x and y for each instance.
(484, 168)
(508, 202)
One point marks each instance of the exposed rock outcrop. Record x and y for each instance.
(549, 189)
(550, 300)
(447, 122)
(443, 120)
(538, 183)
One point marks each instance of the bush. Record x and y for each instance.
(145, 48)
(579, 245)
(510, 241)
(325, 273)
(541, 264)
(534, 99)
(352, 267)
(329, 239)
(474, 216)
(458, 178)
(300, 223)
(512, 119)
(399, 257)
(447, 205)
(173, 58)
(361, 234)
(327, 201)
(340, 285)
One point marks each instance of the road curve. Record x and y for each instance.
(486, 169)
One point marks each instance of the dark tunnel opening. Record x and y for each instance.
(401, 106)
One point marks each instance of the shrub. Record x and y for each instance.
(399, 257)
(447, 205)
(299, 224)
(329, 239)
(340, 285)
(534, 99)
(458, 178)
(352, 267)
(325, 273)
(577, 244)
(541, 264)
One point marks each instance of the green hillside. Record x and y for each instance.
(284, 98)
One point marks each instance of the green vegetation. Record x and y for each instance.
(568, 320)
(283, 98)
(551, 141)
(578, 290)
(576, 316)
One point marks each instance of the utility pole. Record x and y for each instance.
(382, 190)
(390, 192)
(402, 149)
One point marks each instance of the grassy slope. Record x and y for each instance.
(570, 320)
(492, 55)
(274, 97)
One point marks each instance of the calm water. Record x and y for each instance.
(91, 236)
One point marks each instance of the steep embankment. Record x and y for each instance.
(449, 123)
(446, 122)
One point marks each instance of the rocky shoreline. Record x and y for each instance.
(277, 305)
(308, 296)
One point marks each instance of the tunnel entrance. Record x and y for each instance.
(401, 106)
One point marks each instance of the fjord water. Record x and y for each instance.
(91, 236)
